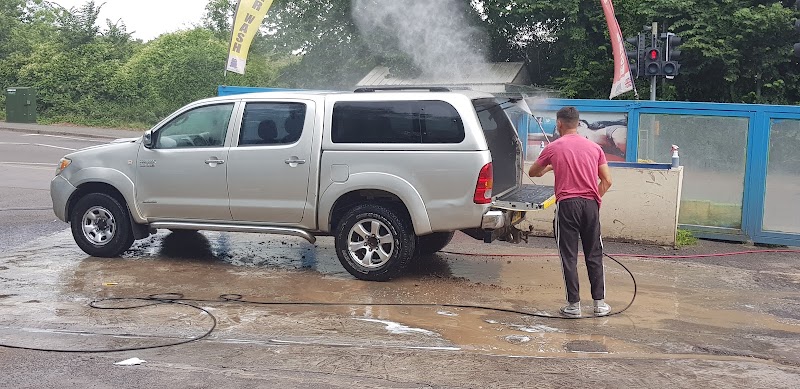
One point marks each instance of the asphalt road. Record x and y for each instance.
(727, 322)
(27, 164)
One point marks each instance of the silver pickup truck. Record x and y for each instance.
(389, 174)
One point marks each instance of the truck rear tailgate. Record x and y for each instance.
(528, 197)
(501, 137)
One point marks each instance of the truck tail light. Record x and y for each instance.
(483, 191)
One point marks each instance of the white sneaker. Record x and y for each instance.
(601, 308)
(572, 310)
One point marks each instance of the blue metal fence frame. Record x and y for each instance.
(227, 90)
(758, 183)
(759, 118)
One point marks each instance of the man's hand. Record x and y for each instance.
(605, 179)
(537, 170)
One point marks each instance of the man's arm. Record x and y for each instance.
(605, 178)
(537, 170)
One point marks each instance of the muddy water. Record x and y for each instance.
(680, 309)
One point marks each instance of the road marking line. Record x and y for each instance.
(28, 163)
(35, 144)
(31, 167)
(67, 137)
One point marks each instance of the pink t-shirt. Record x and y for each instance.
(575, 161)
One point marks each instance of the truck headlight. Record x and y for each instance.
(63, 165)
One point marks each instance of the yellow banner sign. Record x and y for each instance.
(246, 22)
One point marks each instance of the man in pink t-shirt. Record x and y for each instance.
(578, 164)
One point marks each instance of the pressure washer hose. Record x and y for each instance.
(179, 299)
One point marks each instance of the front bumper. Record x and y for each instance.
(60, 192)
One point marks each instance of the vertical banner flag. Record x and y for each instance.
(246, 22)
(622, 72)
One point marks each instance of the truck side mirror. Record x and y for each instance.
(147, 140)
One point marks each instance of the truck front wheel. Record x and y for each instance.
(374, 242)
(101, 226)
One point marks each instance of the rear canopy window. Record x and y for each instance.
(396, 122)
(492, 116)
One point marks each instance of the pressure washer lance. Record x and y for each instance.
(675, 157)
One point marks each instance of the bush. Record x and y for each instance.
(685, 238)
(102, 83)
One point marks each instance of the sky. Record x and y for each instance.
(147, 19)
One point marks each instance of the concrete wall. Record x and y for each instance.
(642, 206)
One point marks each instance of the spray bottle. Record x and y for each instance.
(675, 157)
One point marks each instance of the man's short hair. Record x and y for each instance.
(569, 116)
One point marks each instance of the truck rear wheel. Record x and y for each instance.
(101, 226)
(432, 243)
(374, 242)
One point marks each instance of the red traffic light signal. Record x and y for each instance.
(652, 62)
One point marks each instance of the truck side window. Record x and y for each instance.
(201, 127)
(396, 122)
(272, 123)
(375, 122)
(441, 123)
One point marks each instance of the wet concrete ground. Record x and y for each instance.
(693, 322)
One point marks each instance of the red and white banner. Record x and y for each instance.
(623, 82)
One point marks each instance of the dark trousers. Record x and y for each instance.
(580, 218)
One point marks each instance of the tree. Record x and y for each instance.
(734, 51)
(178, 68)
(335, 52)
(324, 36)
(218, 17)
(79, 26)
(565, 42)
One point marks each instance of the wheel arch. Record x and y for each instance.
(373, 187)
(140, 230)
(105, 180)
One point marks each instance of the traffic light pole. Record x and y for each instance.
(654, 43)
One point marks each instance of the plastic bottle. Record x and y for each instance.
(675, 157)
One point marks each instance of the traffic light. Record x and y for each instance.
(671, 66)
(636, 56)
(652, 62)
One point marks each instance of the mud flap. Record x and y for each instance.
(140, 231)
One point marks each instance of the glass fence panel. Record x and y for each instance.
(781, 209)
(713, 152)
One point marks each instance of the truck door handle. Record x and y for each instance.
(295, 161)
(213, 161)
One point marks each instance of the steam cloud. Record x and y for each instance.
(435, 34)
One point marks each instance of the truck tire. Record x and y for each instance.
(431, 244)
(101, 226)
(374, 242)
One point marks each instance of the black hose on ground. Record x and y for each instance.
(179, 299)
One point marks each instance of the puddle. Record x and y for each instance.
(678, 306)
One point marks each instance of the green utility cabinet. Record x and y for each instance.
(20, 105)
